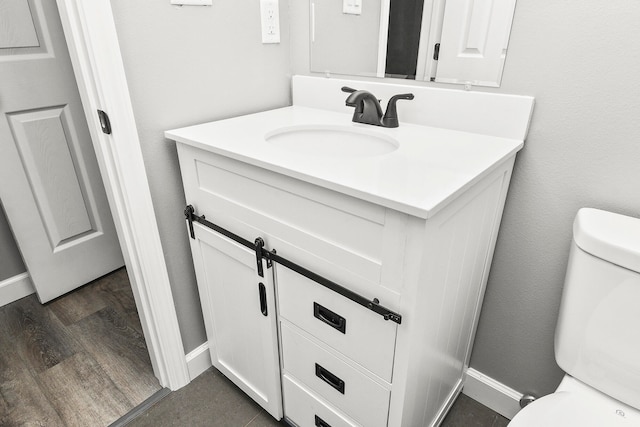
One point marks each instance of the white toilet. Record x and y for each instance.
(597, 339)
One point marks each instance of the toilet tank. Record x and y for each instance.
(598, 333)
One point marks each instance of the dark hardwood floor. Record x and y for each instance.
(80, 360)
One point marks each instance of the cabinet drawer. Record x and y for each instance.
(342, 385)
(306, 410)
(350, 328)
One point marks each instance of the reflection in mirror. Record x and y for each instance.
(403, 38)
(449, 41)
(344, 43)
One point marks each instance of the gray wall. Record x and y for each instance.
(357, 54)
(188, 65)
(10, 260)
(581, 62)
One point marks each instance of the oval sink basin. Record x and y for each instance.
(332, 141)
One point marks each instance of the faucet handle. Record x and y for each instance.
(408, 96)
(347, 89)
(390, 118)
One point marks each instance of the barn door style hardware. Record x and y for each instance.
(271, 256)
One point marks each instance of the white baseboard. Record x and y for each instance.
(14, 288)
(491, 393)
(198, 360)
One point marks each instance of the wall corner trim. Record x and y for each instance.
(94, 49)
(491, 393)
(198, 360)
(15, 287)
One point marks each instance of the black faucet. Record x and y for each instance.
(368, 109)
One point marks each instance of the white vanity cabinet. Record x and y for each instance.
(321, 358)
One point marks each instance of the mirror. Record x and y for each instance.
(447, 41)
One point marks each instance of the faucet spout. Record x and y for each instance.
(367, 107)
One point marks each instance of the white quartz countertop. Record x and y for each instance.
(431, 166)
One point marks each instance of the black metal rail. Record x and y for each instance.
(272, 256)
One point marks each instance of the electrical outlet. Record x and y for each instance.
(270, 17)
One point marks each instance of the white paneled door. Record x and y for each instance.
(50, 184)
(473, 47)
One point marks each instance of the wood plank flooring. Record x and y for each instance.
(80, 360)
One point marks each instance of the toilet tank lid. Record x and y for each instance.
(612, 237)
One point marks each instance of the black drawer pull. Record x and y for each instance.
(321, 423)
(329, 378)
(329, 317)
(263, 298)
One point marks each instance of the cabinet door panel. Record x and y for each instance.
(242, 340)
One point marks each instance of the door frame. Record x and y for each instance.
(92, 40)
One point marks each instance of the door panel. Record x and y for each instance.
(49, 179)
(45, 153)
(242, 340)
(16, 25)
(23, 30)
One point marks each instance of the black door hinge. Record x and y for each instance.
(436, 51)
(105, 123)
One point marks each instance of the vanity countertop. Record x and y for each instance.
(431, 166)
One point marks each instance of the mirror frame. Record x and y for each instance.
(433, 13)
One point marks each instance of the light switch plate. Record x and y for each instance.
(192, 2)
(352, 7)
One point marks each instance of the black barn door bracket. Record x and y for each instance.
(271, 256)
